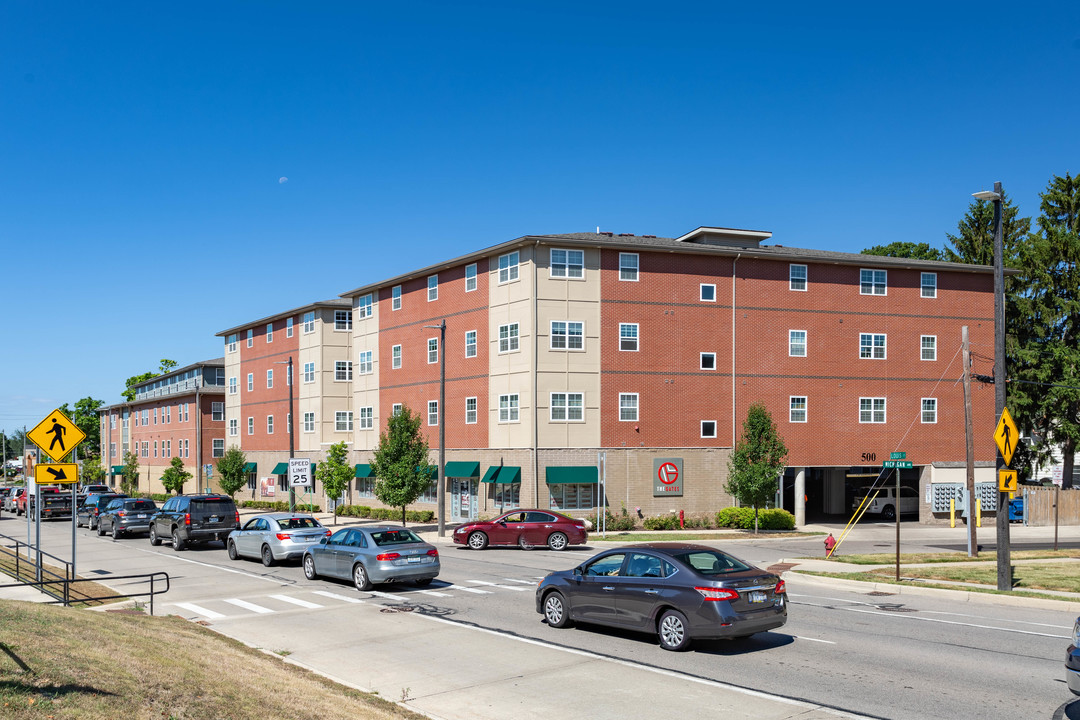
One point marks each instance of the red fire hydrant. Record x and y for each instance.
(681, 518)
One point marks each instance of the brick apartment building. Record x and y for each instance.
(634, 358)
(179, 414)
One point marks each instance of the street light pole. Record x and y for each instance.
(290, 421)
(440, 485)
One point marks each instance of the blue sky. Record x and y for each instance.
(141, 147)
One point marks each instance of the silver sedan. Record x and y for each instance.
(369, 555)
(275, 536)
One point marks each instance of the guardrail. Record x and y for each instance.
(28, 566)
(67, 583)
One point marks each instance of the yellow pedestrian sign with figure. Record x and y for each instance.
(1006, 436)
(56, 435)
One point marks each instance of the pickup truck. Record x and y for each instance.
(55, 502)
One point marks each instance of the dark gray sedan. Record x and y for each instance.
(679, 591)
(275, 536)
(370, 555)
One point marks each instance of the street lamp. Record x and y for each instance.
(291, 423)
(440, 490)
(1004, 566)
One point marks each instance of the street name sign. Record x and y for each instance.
(900, 455)
(299, 472)
(56, 435)
(56, 474)
(906, 464)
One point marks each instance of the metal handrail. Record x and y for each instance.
(67, 583)
(30, 563)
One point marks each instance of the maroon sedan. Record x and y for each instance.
(524, 528)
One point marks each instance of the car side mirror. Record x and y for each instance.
(323, 541)
(579, 570)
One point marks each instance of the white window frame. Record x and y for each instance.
(432, 350)
(288, 327)
(567, 336)
(395, 408)
(342, 320)
(629, 267)
(636, 337)
(251, 426)
(234, 427)
(793, 409)
(309, 422)
(309, 322)
(873, 346)
(932, 411)
(928, 289)
(395, 298)
(470, 277)
(567, 264)
(715, 428)
(794, 279)
(559, 407)
(470, 410)
(701, 361)
(251, 382)
(932, 347)
(343, 370)
(395, 357)
(217, 411)
(269, 424)
(230, 341)
(794, 344)
(217, 447)
(712, 291)
(512, 341)
(343, 421)
(873, 282)
(250, 337)
(433, 287)
(366, 361)
(269, 379)
(510, 408)
(432, 413)
(470, 343)
(364, 307)
(309, 372)
(367, 418)
(269, 333)
(508, 267)
(872, 410)
(233, 385)
(628, 407)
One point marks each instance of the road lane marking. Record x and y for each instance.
(436, 593)
(803, 637)
(335, 596)
(491, 584)
(198, 610)
(388, 596)
(296, 601)
(275, 580)
(477, 591)
(523, 582)
(248, 606)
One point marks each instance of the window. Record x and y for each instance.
(288, 327)
(508, 408)
(234, 428)
(251, 381)
(343, 421)
(433, 412)
(470, 277)
(708, 428)
(567, 407)
(231, 340)
(145, 417)
(871, 410)
(168, 413)
(112, 449)
(168, 449)
(395, 297)
(185, 413)
(796, 343)
(251, 426)
(928, 347)
(219, 447)
(155, 447)
(506, 495)
(396, 408)
(146, 448)
(797, 277)
(343, 369)
(928, 281)
(797, 411)
(367, 418)
(470, 411)
(508, 338)
(567, 263)
(155, 416)
(217, 410)
(269, 424)
(567, 335)
(363, 307)
(707, 361)
(432, 288)
(432, 350)
(628, 337)
(309, 422)
(707, 292)
(929, 410)
(187, 448)
(269, 379)
(309, 322)
(250, 337)
(872, 346)
(342, 320)
(572, 496)
(872, 282)
(628, 267)
(269, 332)
(628, 407)
(395, 357)
(508, 267)
(470, 344)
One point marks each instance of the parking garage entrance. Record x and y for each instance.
(830, 492)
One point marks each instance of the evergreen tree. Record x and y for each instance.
(974, 243)
(916, 251)
(231, 469)
(402, 472)
(757, 461)
(335, 472)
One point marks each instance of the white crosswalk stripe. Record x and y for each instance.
(199, 610)
(476, 591)
(248, 605)
(296, 601)
(435, 593)
(335, 596)
(388, 596)
(491, 584)
(523, 582)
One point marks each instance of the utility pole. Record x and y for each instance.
(1004, 555)
(289, 385)
(969, 433)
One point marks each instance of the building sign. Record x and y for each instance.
(267, 486)
(668, 477)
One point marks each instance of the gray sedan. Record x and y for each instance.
(275, 536)
(369, 555)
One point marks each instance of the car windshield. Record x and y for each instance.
(712, 562)
(298, 523)
(394, 537)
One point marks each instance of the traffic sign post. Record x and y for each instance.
(56, 435)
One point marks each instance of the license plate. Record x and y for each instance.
(758, 597)
(141, 516)
(213, 518)
(414, 559)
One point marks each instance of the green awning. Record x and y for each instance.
(576, 474)
(280, 469)
(503, 474)
(363, 470)
(117, 469)
(433, 471)
(250, 467)
(462, 469)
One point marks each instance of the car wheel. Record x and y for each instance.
(309, 568)
(360, 578)
(672, 631)
(478, 540)
(555, 611)
(233, 555)
(423, 581)
(557, 541)
(267, 556)
(77, 523)
(100, 530)
(93, 524)
(888, 513)
(522, 544)
(177, 543)
(115, 531)
(154, 539)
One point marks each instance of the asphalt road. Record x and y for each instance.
(879, 656)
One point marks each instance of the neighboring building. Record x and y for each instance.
(646, 352)
(178, 414)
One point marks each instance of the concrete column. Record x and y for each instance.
(800, 497)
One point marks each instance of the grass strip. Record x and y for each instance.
(870, 577)
(668, 536)
(952, 557)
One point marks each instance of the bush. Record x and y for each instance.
(278, 506)
(776, 519)
(743, 517)
(661, 522)
(621, 522)
(363, 511)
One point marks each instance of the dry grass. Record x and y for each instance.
(1063, 577)
(82, 594)
(66, 663)
(953, 557)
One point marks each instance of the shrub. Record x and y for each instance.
(279, 506)
(620, 522)
(735, 517)
(661, 522)
(363, 511)
(743, 517)
(775, 519)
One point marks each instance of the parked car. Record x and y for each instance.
(11, 501)
(275, 536)
(4, 492)
(92, 507)
(681, 592)
(370, 555)
(885, 503)
(1072, 660)
(194, 518)
(125, 516)
(87, 490)
(524, 528)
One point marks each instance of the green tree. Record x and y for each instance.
(231, 469)
(335, 472)
(129, 483)
(164, 367)
(92, 471)
(757, 461)
(85, 417)
(402, 472)
(175, 476)
(916, 251)
(974, 242)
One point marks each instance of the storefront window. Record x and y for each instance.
(573, 496)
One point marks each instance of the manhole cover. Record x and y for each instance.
(878, 593)
(397, 609)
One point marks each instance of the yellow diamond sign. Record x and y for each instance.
(56, 435)
(1006, 436)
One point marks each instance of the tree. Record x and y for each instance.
(335, 472)
(757, 461)
(916, 251)
(402, 472)
(175, 476)
(974, 243)
(85, 417)
(129, 483)
(165, 366)
(231, 469)
(92, 471)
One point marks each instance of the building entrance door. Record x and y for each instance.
(463, 505)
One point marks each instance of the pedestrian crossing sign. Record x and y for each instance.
(56, 435)
(1005, 436)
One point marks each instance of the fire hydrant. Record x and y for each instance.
(681, 518)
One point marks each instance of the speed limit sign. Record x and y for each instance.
(299, 472)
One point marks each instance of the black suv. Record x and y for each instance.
(194, 518)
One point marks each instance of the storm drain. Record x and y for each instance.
(397, 609)
(878, 593)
